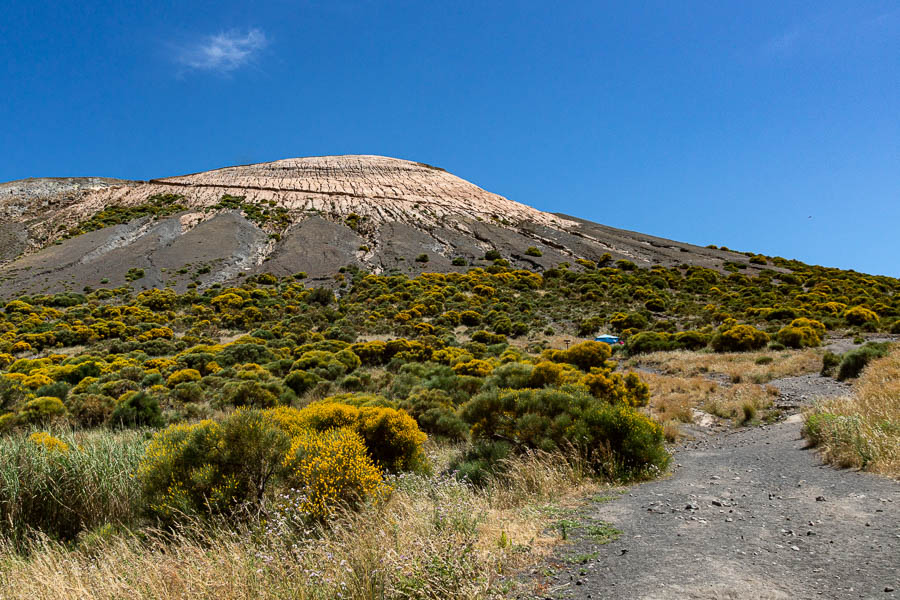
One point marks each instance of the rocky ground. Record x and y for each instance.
(747, 513)
(312, 215)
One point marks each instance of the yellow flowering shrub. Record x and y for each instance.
(20, 347)
(392, 436)
(474, 367)
(331, 468)
(859, 315)
(548, 373)
(252, 371)
(36, 380)
(48, 442)
(183, 376)
(162, 364)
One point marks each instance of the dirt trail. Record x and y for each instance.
(749, 513)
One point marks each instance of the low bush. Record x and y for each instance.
(854, 361)
(649, 341)
(739, 338)
(584, 355)
(137, 409)
(618, 441)
(392, 436)
(434, 411)
(300, 381)
(42, 410)
(830, 361)
(212, 468)
(801, 333)
(860, 315)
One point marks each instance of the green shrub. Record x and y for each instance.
(830, 362)
(90, 410)
(300, 381)
(815, 425)
(655, 305)
(212, 467)
(57, 389)
(469, 317)
(492, 255)
(481, 461)
(690, 340)
(244, 353)
(434, 411)
(322, 296)
(854, 361)
(250, 393)
(648, 341)
(514, 375)
(422, 258)
(459, 261)
(616, 439)
(533, 251)
(622, 321)
(137, 409)
(190, 391)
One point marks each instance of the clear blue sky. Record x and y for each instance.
(717, 122)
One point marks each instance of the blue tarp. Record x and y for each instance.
(609, 339)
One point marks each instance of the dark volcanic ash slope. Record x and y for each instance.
(311, 215)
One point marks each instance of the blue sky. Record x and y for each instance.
(765, 126)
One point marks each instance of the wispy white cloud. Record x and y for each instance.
(222, 53)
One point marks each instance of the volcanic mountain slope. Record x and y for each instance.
(312, 215)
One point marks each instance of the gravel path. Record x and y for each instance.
(748, 513)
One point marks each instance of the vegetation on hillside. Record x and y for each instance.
(134, 421)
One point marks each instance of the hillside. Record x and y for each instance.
(311, 215)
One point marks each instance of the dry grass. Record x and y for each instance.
(736, 366)
(742, 403)
(674, 398)
(433, 538)
(863, 430)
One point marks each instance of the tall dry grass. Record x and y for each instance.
(749, 367)
(674, 400)
(743, 403)
(862, 430)
(434, 537)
